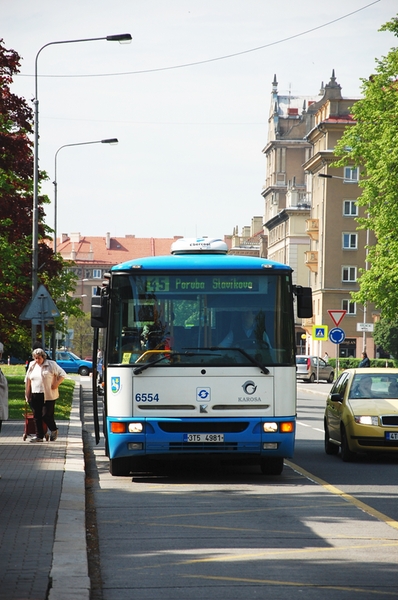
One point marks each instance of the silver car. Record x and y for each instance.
(312, 368)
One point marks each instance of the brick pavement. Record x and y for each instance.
(42, 526)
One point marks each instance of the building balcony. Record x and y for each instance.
(311, 260)
(312, 228)
(308, 322)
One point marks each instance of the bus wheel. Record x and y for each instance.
(119, 466)
(272, 466)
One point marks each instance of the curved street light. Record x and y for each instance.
(122, 38)
(111, 141)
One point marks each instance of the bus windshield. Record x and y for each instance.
(201, 319)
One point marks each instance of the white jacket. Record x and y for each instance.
(51, 373)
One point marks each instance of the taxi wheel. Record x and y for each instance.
(331, 449)
(346, 454)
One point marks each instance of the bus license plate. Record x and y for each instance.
(204, 437)
(392, 435)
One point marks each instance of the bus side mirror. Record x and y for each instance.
(304, 301)
(99, 311)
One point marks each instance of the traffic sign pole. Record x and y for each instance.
(337, 336)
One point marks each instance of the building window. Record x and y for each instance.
(94, 290)
(349, 306)
(348, 274)
(97, 273)
(350, 208)
(351, 174)
(350, 241)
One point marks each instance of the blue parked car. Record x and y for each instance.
(71, 363)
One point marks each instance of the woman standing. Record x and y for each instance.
(42, 380)
(365, 362)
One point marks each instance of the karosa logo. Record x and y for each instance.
(249, 387)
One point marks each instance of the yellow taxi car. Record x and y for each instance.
(361, 413)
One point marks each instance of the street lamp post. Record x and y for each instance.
(124, 37)
(111, 141)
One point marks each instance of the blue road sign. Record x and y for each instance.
(320, 332)
(336, 335)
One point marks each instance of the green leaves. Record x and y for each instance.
(373, 143)
(16, 204)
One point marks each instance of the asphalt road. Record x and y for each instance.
(323, 529)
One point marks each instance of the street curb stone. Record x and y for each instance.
(69, 572)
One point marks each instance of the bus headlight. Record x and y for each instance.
(270, 427)
(136, 427)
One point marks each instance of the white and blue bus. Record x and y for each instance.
(198, 358)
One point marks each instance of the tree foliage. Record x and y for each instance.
(82, 335)
(16, 207)
(372, 144)
(386, 335)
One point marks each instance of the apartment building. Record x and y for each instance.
(287, 203)
(251, 241)
(338, 248)
(310, 219)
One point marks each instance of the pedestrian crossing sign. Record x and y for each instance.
(320, 332)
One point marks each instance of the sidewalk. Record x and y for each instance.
(42, 507)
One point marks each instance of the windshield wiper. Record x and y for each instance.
(254, 361)
(145, 366)
(212, 349)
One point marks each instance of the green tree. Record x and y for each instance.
(372, 145)
(82, 334)
(386, 335)
(16, 204)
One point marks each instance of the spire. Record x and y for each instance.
(274, 85)
(333, 89)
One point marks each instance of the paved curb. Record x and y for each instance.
(69, 571)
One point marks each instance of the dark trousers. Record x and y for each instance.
(43, 411)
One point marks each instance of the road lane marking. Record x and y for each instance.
(338, 492)
(310, 426)
(298, 584)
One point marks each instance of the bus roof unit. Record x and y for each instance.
(199, 245)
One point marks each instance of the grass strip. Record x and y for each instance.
(15, 375)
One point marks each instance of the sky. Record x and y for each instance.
(188, 99)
